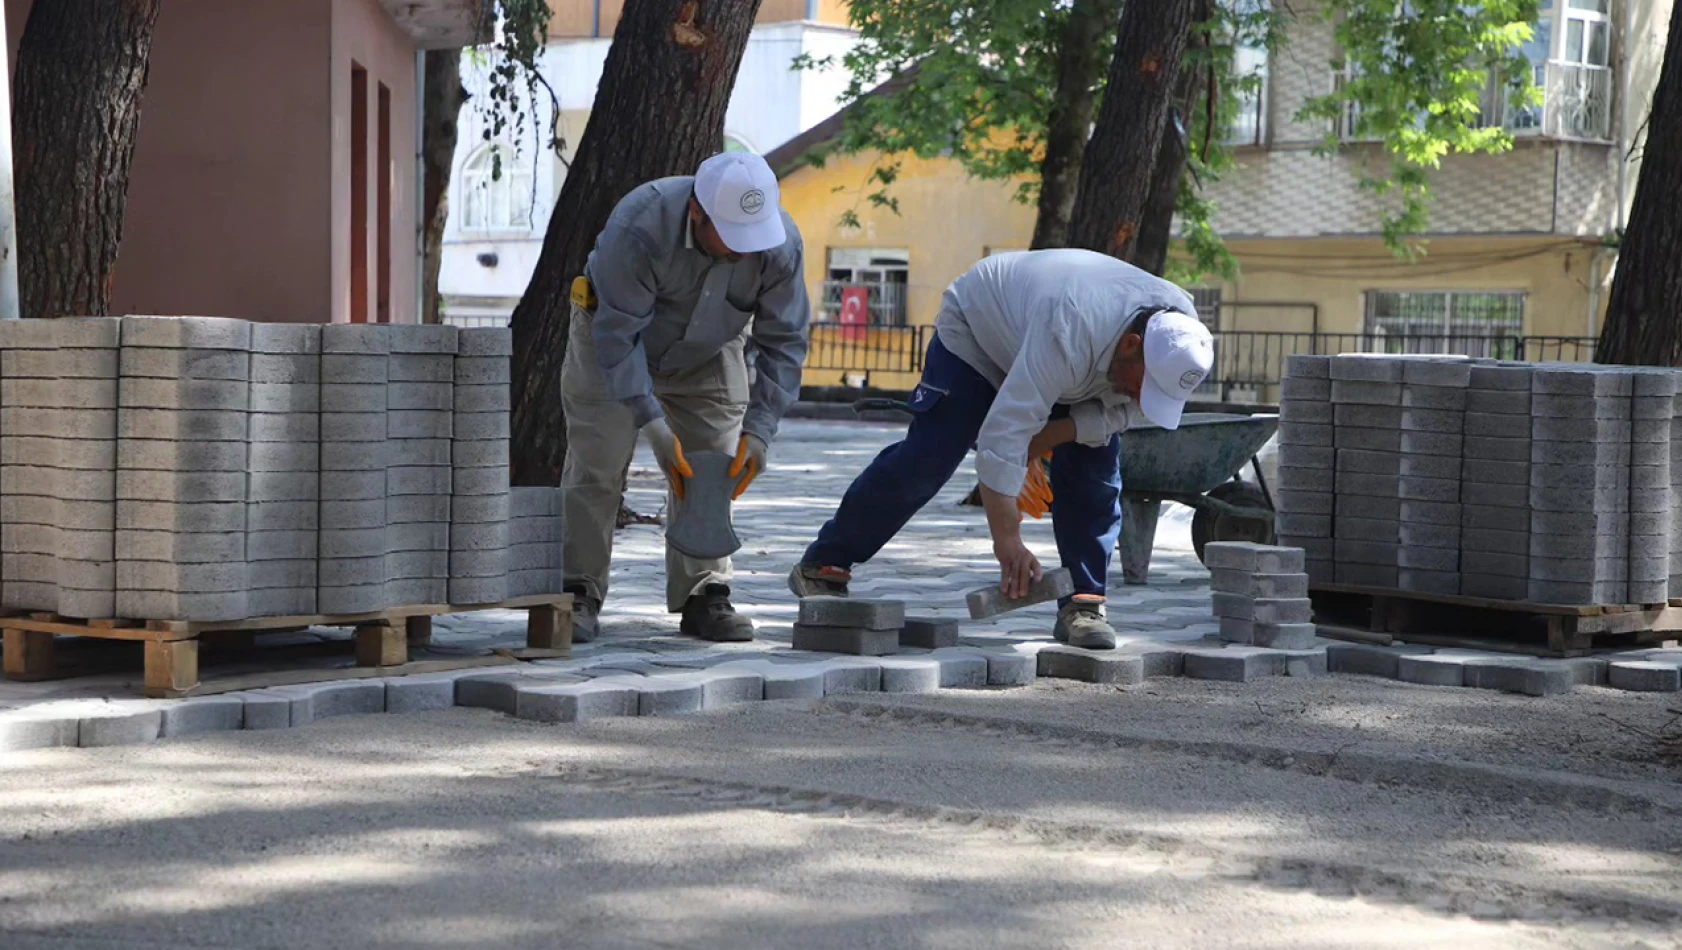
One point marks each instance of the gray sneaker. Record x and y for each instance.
(1083, 622)
(586, 617)
(807, 581)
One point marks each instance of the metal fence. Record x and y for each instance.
(1246, 362)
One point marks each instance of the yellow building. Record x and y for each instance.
(1517, 262)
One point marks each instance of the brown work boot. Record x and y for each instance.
(709, 616)
(807, 581)
(1083, 622)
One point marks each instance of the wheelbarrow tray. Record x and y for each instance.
(1207, 449)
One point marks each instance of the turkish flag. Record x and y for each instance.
(855, 312)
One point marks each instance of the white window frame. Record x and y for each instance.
(505, 203)
(1448, 332)
(875, 268)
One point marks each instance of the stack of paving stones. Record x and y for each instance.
(203, 469)
(283, 459)
(1549, 483)
(355, 454)
(1260, 594)
(1433, 423)
(479, 501)
(1304, 517)
(58, 412)
(420, 409)
(1495, 483)
(849, 625)
(1676, 495)
(1367, 433)
(184, 412)
(534, 541)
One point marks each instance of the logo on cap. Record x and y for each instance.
(752, 201)
(1190, 378)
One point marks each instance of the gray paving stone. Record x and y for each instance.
(58, 394)
(858, 641)
(1508, 376)
(1644, 676)
(1578, 546)
(1545, 405)
(421, 397)
(1430, 466)
(1412, 488)
(81, 454)
(1322, 480)
(1443, 421)
(218, 578)
(285, 397)
(1485, 472)
(1418, 558)
(574, 702)
(1362, 552)
(267, 709)
(185, 394)
(478, 590)
(423, 339)
(356, 338)
(1237, 664)
(1483, 425)
(478, 509)
(419, 424)
(1428, 581)
(63, 484)
(476, 426)
(199, 333)
(173, 456)
(201, 714)
(782, 680)
(344, 598)
(210, 547)
(181, 517)
(1431, 670)
(1579, 379)
(1366, 368)
(367, 396)
(662, 696)
(485, 341)
(1495, 402)
(260, 368)
(268, 575)
(1259, 585)
(846, 675)
(1366, 575)
(1308, 366)
(1544, 429)
(282, 602)
(1256, 558)
(298, 338)
(1011, 669)
(478, 371)
(1352, 392)
(990, 601)
(1433, 372)
(1303, 503)
(1304, 456)
(488, 398)
(909, 674)
(1376, 486)
(1369, 660)
(1060, 661)
(192, 487)
(1305, 433)
(60, 423)
(1367, 416)
(1580, 477)
(1422, 535)
(1368, 529)
(120, 723)
(281, 516)
(1494, 541)
(1305, 389)
(1441, 398)
(1563, 592)
(420, 368)
(960, 667)
(1397, 440)
(288, 429)
(928, 633)
(186, 425)
(498, 688)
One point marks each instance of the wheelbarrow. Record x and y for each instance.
(1198, 465)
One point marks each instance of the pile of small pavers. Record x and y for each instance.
(1260, 594)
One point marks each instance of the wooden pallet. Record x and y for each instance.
(383, 638)
(1502, 625)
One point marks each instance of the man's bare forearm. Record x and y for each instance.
(1004, 522)
(1055, 433)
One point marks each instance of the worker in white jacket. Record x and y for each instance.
(1035, 353)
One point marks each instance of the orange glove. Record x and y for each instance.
(668, 454)
(1035, 499)
(750, 461)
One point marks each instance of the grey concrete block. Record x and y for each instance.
(38, 568)
(1421, 535)
(1579, 453)
(167, 605)
(1255, 558)
(419, 537)
(60, 364)
(1650, 477)
(1508, 377)
(1492, 402)
(224, 578)
(1011, 669)
(1431, 466)
(19, 594)
(213, 394)
(1434, 398)
(313, 701)
(420, 368)
(1251, 584)
(575, 702)
(1526, 676)
(482, 371)
(485, 341)
(534, 529)
(1482, 425)
(1110, 667)
(286, 338)
(271, 575)
(1368, 529)
(990, 601)
(63, 484)
(282, 516)
(478, 426)
(1578, 523)
(1484, 472)
(1366, 368)
(1580, 430)
(410, 453)
(180, 486)
(1314, 549)
(1282, 636)
(1600, 500)
(404, 591)
(1498, 588)
(1367, 439)
(474, 564)
(859, 641)
(172, 456)
(1236, 664)
(32, 538)
(420, 397)
(1429, 489)
(352, 486)
(1430, 512)
(928, 633)
(200, 714)
(419, 509)
(910, 674)
(1308, 366)
(181, 516)
(487, 398)
(175, 364)
(1494, 496)
(1367, 660)
(183, 425)
(1445, 372)
(355, 456)
(1363, 552)
(1427, 581)
(1647, 381)
(1316, 412)
(350, 599)
(1648, 592)
(433, 339)
(275, 369)
(85, 454)
(1365, 575)
(1494, 541)
(430, 692)
(216, 547)
(497, 690)
(1579, 546)
(368, 339)
(59, 393)
(1563, 592)
(60, 423)
(1378, 486)
(1651, 409)
(1304, 456)
(1305, 433)
(354, 514)
(367, 396)
(1303, 502)
(352, 542)
(197, 333)
(1305, 389)
(1579, 379)
(348, 368)
(351, 571)
(710, 484)
(80, 516)
(1586, 671)
(289, 429)
(1358, 506)
(478, 453)
(1649, 431)
(1441, 421)
(418, 424)
(1365, 393)
(494, 536)
(1369, 463)
(120, 723)
(283, 486)
(1644, 676)
(267, 709)
(1545, 405)
(1431, 670)
(848, 612)
(353, 426)
(418, 564)
(1576, 569)
(478, 590)
(1367, 416)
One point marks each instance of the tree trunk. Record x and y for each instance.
(1081, 47)
(659, 111)
(1156, 232)
(1644, 316)
(81, 74)
(441, 111)
(1116, 180)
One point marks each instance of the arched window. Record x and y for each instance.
(496, 189)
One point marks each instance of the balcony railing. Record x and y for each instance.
(1576, 103)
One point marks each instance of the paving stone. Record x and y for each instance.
(1387, 531)
(281, 516)
(303, 339)
(1545, 405)
(171, 363)
(1321, 480)
(1373, 486)
(960, 667)
(573, 702)
(282, 602)
(1369, 659)
(1366, 575)
(1353, 392)
(423, 339)
(1308, 366)
(929, 633)
(1428, 558)
(200, 714)
(1578, 547)
(419, 368)
(200, 333)
(487, 425)
(1305, 456)
(1364, 552)
(485, 341)
(1432, 670)
(492, 398)
(1011, 669)
(1303, 503)
(1366, 368)
(1259, 585)
(1237, 664)
(1544, 429)
(1300, 410)
(267, 709)
(1305, 389)
(1495, 541)
(356, 338)
(172, 456)
(1482, 425)
(782, 680)
(1256, 558)
(186, 425)
(670, 696)
(1498, 403)
(858, 641)
(990, 601)
(1430, 466)
(1564, 592)
(1580, 477)
(1060, 661)
(120, 723)
(1482, 472)
(1366, 416)
(1429, 489)
(60, 423)
(261, 368)
(1579, 380)
(910, 674)
(478, 509)
(478, 590)
(59, 394)
(1437, 398)
(429, 510)
(1433, 372)
(1520, 675)
(1644, 676)
(1441, 421)
(1305, 433)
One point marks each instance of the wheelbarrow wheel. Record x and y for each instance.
(1208, 526)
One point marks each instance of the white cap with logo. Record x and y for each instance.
(738, 191)
(1178, 356)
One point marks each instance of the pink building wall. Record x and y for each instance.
(239, 197)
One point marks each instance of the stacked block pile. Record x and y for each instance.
(1549, 482)
(867, 627)
(1260, 594)
(163, 468)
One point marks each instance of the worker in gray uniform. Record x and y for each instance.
(686, 271)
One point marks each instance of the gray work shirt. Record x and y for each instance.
(665, 306)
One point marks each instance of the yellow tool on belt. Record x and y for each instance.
(583, 294)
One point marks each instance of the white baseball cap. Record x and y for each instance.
(739, 193)
(1178, 356)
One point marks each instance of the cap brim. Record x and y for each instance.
(1159, 405)
(752, 238)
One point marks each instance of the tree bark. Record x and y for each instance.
(1116, 180)
(81, 75)
(659, 111)
(1644, 315)
(440, 113)
(1156, 231)
(1081, 47)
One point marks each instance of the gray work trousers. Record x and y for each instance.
(704, 407)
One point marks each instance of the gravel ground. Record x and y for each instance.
(1327, 813)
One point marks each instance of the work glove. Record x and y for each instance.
(668, 453)
(750, 461)
(1035, 498)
